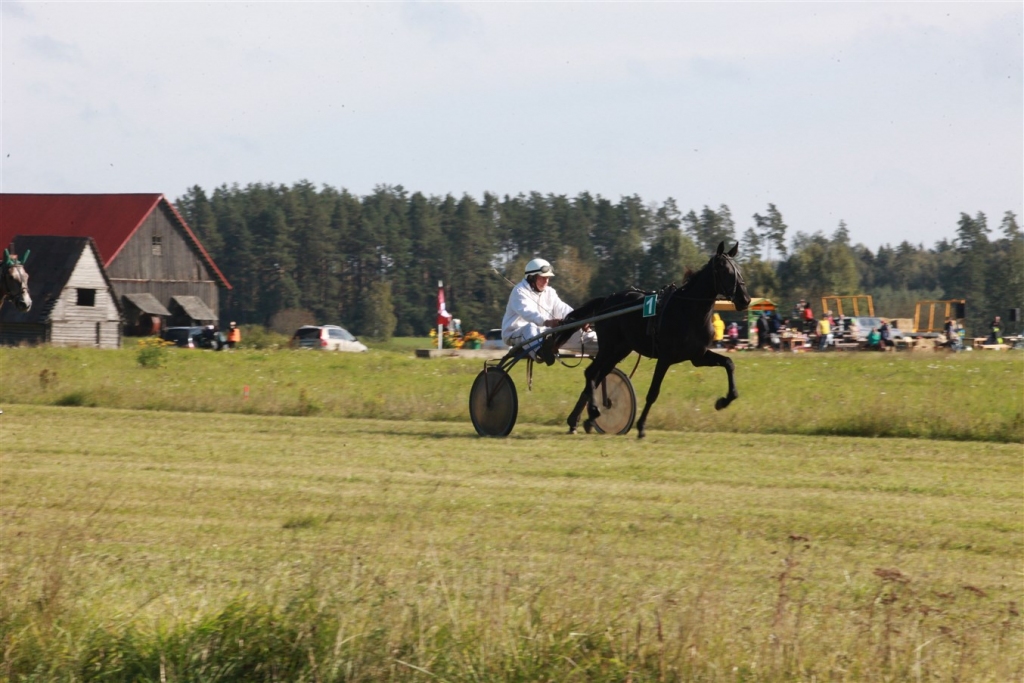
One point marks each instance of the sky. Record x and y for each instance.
(892, 117)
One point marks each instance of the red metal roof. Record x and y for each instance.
(109, 219)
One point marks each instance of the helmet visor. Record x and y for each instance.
(544, 271)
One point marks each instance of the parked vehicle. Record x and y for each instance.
(326, 338)
(492, 341)
(858, 327)
(183, 337)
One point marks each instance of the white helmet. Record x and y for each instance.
(539, 266)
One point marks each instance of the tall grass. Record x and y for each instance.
(154, 546)
(451, 626)
(977, 397)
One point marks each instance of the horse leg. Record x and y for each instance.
(711, 359)
(585, 398)
(607, 364)
(652, 394)
(574, 417)
(594, 373)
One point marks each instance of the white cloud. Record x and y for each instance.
(891, 115)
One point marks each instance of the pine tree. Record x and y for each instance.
(1006, 271)
(971, 273)
(197, 211)
(237, 257)
(671, 251)
(380, 320)
(711, 228)
(772, 229)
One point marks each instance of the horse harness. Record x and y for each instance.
(9, 266)
(654, 323)
(665, 294)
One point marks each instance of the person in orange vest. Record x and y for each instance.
(234, 335)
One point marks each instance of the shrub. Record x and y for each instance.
(152, 352)
(259, 337)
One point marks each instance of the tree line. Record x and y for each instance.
(372, 263)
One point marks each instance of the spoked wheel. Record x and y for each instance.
(493, 404)
(617, 401)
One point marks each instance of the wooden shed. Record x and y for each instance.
(143, 242)
(73, 301)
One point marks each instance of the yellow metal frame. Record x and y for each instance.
(948, 303)
(855, 304)
(756, 304)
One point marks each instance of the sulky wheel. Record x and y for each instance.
(617, 401)
(493, 404)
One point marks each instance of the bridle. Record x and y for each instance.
(14, 281)
(737, 278)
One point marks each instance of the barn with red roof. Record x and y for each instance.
(159, 270)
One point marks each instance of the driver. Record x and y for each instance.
(534, 307)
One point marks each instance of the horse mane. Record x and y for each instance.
(690, 275)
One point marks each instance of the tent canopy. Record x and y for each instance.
(756, 304)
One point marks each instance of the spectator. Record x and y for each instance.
(733, 333)
(824, 333)
(996, 331)
(774, 328)
(210, 337)
(234, 335)
(762, 330)
(798, 310)
(952, 334)
(808, 318)
(874, 339)
(886, 336)
(719, 324)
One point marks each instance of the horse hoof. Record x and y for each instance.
(572, 430)
(722, 403)
(640, 434)
(588, 426)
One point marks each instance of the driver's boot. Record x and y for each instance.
(547, 351)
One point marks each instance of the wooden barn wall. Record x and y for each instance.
(97, 325)
(176, 271)
(103, 334)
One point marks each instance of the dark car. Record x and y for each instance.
(184, 337)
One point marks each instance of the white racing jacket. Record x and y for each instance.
(526, 307)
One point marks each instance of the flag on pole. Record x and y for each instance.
(443, 316)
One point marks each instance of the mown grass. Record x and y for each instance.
(166, 546)
(977, 396)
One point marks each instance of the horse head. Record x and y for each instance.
(728, 278)
(15, 280)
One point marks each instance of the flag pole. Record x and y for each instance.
(440, 326)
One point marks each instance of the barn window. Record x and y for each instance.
(158, 246)
(86, 297)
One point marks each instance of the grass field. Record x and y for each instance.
(976, 396)
(258, 539)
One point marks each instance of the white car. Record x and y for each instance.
(326, 338)
(492, 341)
(859, 327)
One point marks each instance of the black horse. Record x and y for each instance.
(681, 331)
